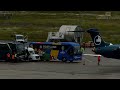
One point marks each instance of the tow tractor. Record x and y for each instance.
(23, 53)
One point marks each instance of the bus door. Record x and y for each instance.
(66, 53)
(54, 52)
(45, 52)
(70, 53)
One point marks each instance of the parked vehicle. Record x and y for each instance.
(64, 51)
(19, 38)
(4, 50)
(23, 53)
(32, 55)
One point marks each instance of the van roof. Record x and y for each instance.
(18, 34)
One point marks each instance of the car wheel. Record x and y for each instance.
(64, 59)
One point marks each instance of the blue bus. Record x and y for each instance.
(63, 51)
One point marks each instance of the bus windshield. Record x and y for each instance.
(77, 50)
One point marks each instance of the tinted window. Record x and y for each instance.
(53, 47)
(13, 47)
(70, 51)
(19, 37)
(20, 47)
(77, 50)
(4, 47)
(60, 47)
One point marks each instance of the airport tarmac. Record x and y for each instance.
(108, 69)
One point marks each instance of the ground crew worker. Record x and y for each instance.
(13, 56)
(8, 56)
(39, 52)
(98, 60)
(84, 45)
(82, 51)
(36, 52)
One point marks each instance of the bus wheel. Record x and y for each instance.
(64, 60)
(30, 59)
(47, 60)
(71, 61)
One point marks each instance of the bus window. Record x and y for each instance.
(71, 51)
(40, 47)
(77, 50)
(45, 46)
(55, 47)
(64, 47)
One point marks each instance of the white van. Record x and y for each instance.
(32, 55)
(20, 38)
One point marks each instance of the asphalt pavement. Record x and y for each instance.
(108, 69)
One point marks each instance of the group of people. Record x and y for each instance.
(11, 57)
(39, 51)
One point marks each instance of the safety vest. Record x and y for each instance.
(82, 50)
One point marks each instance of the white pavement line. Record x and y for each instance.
(87, 59)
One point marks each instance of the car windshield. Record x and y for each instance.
(19, 37)
(77, 50)
(31, 52)
(20, 47)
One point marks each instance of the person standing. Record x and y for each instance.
(40, 53)
(8, 57)
(98, 60)
(84, 45)
(82, 51)
(13, 56)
